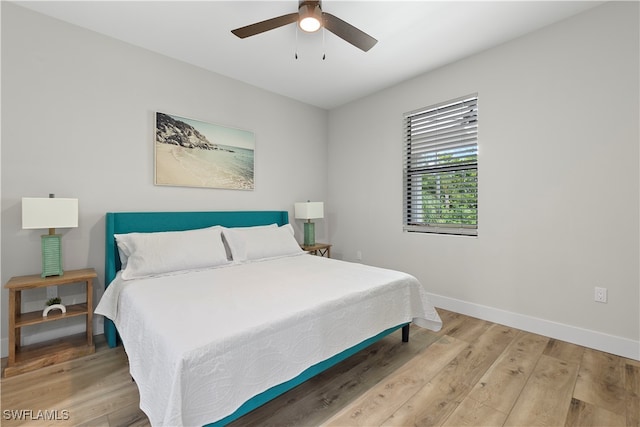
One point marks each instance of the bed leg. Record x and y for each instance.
(405, 333)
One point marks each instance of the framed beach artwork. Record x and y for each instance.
(191, 153)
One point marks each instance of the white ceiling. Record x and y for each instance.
(413, 37)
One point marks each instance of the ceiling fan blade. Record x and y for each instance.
(269, 24)
(348, 32)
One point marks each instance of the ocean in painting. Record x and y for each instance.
(225, 167)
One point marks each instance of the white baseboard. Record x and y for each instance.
(587, 338)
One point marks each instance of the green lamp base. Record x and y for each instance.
(51, 255)
(309, 233)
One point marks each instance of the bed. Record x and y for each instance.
(214, 331)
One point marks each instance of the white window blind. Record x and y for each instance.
(441, 168)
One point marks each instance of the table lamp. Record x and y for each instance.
(309, 210)
(51, 213)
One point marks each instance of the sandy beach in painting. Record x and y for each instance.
(230, 167)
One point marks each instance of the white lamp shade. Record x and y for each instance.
(309, 210)
(41, 212)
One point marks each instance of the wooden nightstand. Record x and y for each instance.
(320, 249)
(28, 358)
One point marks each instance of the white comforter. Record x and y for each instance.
(202, 343)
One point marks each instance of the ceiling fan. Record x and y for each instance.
(311, 18)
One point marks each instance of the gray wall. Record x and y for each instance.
(78, 121)
(558, 182)
(559, 165)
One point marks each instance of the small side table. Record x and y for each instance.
(27, 358)
(320, 249)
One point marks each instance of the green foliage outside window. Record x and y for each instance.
(451, 197)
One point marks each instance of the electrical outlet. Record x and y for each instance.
(359, 255)
(600, 294)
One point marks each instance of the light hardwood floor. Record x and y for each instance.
(471, 373)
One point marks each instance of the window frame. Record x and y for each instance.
(431, 137)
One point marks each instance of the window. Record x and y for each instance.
(441, 168)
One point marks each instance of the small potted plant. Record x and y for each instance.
(54, 304)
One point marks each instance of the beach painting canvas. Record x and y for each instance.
(192, 153)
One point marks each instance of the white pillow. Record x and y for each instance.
(252, 243)
(236, 246)
(124, 257)
(149, 254)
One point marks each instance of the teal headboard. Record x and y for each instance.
(147, 222)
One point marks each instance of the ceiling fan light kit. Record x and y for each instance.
(311, 18)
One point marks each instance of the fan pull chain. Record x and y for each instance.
(324, 55)
(296, 47)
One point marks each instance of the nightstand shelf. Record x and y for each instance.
(35, 317)
(27, 358)
(320, 249)
(50, 352)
